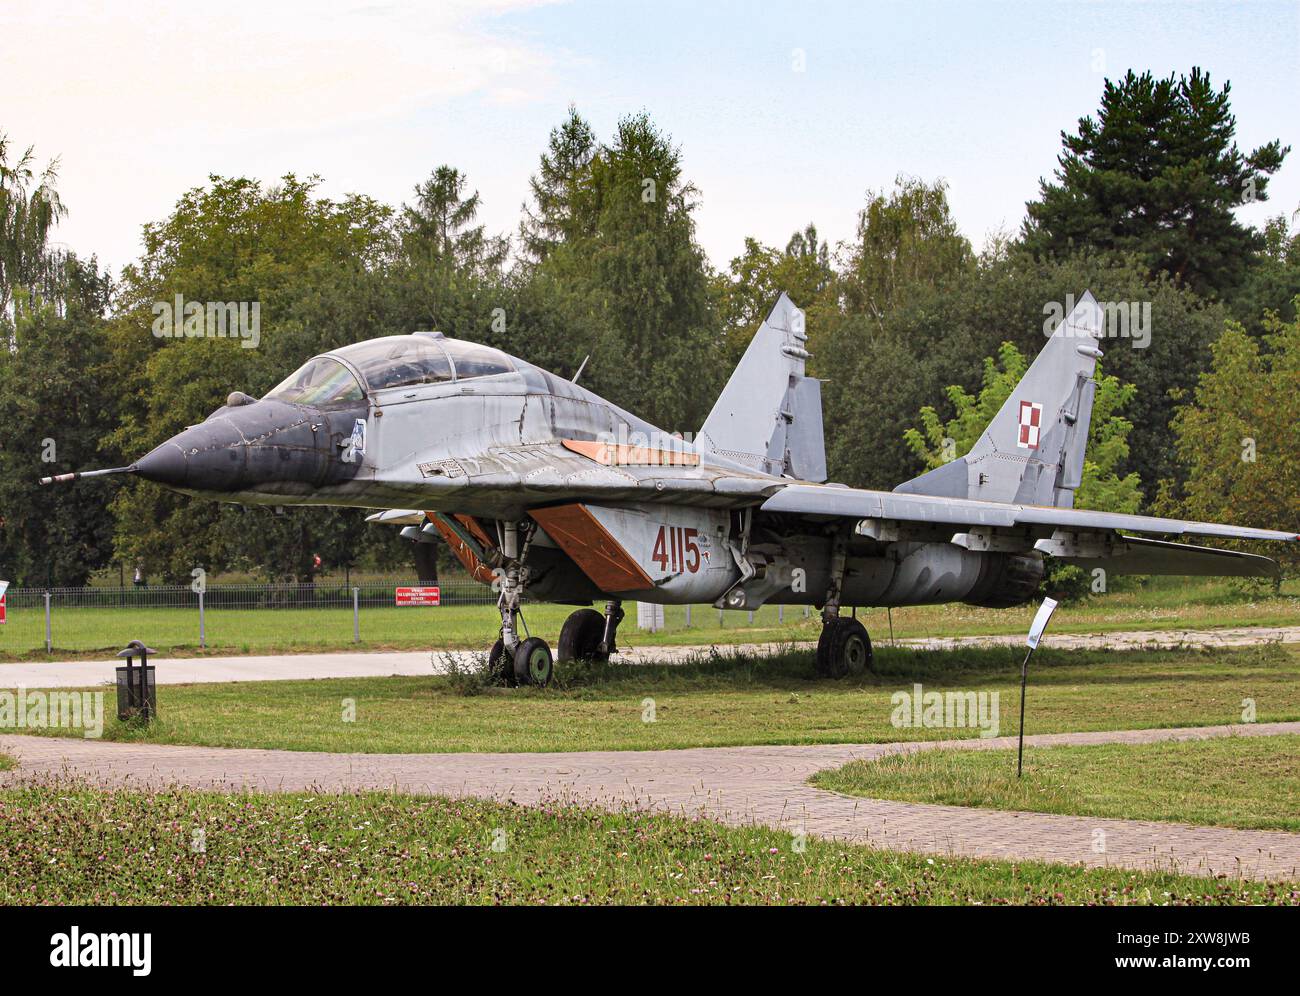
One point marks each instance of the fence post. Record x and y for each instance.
(49, 645)
(780, 614)
(356, 615)
(203, 637)
(751, 617)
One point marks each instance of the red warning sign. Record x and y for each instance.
(419, 596)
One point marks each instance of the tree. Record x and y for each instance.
(54, 403)
(892, 329)
(937, 442)
(27, 214)
(439, 226)
(1273, 281)
(1237, 435)
(1157, 173)
(627, 283)
(905, 239)
(755, 279)
(555, 186)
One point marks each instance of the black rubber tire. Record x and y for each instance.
(580, 637)
(500, 666)
(533, 662)
(823, 648)
(844, 650)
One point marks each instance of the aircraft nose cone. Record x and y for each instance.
(206, 457)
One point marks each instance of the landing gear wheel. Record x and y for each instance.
(533, 662)
(844, 649)
(500, 666)
(581, 635)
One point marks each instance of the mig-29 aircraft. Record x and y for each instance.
(548, 492)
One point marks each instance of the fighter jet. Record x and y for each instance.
(546, 491)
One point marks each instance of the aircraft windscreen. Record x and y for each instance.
(319, 382)
(398, 361)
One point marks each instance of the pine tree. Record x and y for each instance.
(1158, 173)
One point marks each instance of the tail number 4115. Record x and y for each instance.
(677, 550)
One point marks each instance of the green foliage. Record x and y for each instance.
(53, 406)
(28, 269)
(1157, 173)
(627, 280)
(756, 278)
(1237, 435)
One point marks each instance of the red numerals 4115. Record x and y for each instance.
(677, 550)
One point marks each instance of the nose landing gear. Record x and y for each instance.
(511, 660)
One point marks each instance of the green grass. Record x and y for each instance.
(723, 700)
(1154, 604)
(6, 762)
(65, 844)
(1247, 782)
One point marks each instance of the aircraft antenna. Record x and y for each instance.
(581, 367)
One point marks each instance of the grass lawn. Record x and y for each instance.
(1154, 604)
(725, 700)
(6, 762)
(65, 844)
(1248, 782)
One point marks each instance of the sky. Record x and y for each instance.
(786, 113)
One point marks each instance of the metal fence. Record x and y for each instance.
(26, 606)
(94, 618)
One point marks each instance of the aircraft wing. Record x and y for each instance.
(1073, 534)
(831, 501)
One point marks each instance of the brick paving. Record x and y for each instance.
(737, 785)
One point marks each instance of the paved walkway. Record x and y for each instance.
(738, 785)
(278, 667)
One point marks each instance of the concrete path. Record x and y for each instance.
(278, 667)
(738, 785)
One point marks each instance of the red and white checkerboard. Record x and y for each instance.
(1031, 421)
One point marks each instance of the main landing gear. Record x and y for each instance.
(587, 634)
(844, 648)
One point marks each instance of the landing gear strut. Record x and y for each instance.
(844, 648)
(518, 661)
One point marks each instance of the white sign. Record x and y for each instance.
(1040, 622)
(4, 586)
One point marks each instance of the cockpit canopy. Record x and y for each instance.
(393, 361)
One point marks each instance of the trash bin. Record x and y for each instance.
(137, 691)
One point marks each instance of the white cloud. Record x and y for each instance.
(131, 97)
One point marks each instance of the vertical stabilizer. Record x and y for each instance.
(1032, 452)
(769, 416)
